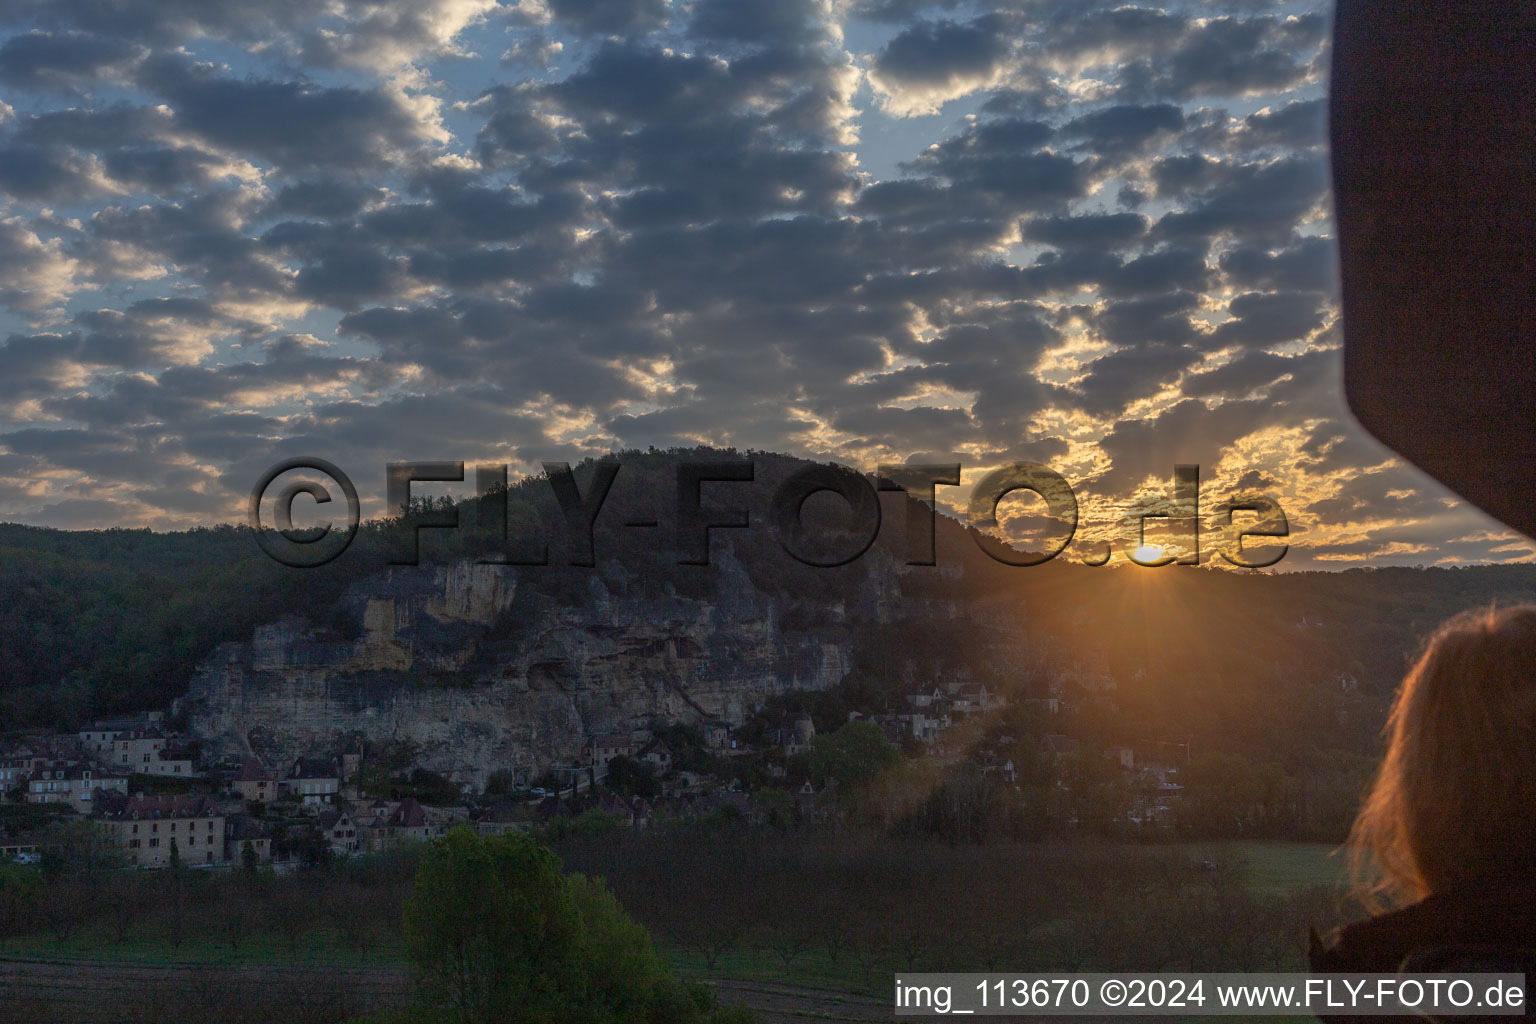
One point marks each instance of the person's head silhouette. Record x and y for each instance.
(1454, 803)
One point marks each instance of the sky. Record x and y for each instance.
(1091, 235)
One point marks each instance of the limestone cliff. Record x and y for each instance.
(480, 672)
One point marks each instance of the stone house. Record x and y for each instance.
(97, 739)
(57, 782)
(253, 782)
(313, 780)
(389, 823)
(147, 827)
(14, 773)
(340, 833)
(242, 830)
(603, 748)
(972, 699)
(173, 761)
(507, 816)
(656, 754)
(134, 750)
(793, 736)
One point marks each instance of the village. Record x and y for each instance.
(154, 801)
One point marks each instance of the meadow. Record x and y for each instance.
(827, 915)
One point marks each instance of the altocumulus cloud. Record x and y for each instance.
(1087, 233)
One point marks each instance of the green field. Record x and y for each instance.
(1278, 868)
(321, 946)
(1303, 880)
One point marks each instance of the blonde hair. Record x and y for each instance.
(1455, 798)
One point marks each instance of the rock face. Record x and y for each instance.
(480, 675)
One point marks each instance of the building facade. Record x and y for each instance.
(148, 828)
(56, 782)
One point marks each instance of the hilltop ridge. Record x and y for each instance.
(96, 623)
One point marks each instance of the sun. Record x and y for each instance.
(1148, 554)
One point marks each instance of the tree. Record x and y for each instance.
(857, 751)
(291, 912)
(67, 904)
(499, 784)
(250, 860)
(1227, 796)
(236, 913)
(176, 900)
(619, 976)
(21, 890)
(1094, 795)
(76, 845)
(498, 934)
(630, 777)
(775, 807)
(350, 907)
(127, 900)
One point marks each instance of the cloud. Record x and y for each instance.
(1270, 318)
(35, 272)
(378, 35)
(1125, 130)
(35, 174)
(65, 62)
(930, 63)
(1307, 264)
(1140, 54)
(1004, 164)
(293, 125)
(452, 229)
(385, 37)
(1296, 125)
(1253, 202)
(325, 198)
(608, 17)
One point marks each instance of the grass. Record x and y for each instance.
(1280, 868)
(1274, 869)
(266, 949)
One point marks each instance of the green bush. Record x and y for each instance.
(498, 934)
